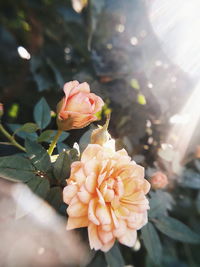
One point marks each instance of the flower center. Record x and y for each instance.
(111, 188)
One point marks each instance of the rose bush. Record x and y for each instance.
(78, 107)
(106, 193)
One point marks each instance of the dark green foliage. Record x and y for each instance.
(177, 230)
(54, 197)
(48, 135)
(42, 114)
(40, 186)
(17, 168)
(62, 166)
(38, 155)
(152, 243)
(114, 257)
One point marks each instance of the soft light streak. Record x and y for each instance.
(176, 24)
(181, 133)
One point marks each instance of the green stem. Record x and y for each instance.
(54, 142)
(11, 138)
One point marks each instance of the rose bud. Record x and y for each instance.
(100, 135)
(1, 110)
(78, 107)
(159, 180)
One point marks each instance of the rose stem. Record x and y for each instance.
(53, 143)
(11, 138)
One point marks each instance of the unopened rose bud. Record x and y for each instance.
(197, 152)
(78, 107)
(1, 110)
(159, 180)
(100, 135)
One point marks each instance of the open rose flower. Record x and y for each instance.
(78, 107)
(159, 180)
(106, 193)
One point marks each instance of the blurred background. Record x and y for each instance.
(142, 57)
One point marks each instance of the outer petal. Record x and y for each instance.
(79, 222)
(90, 152)
(105, 237)
(76, 120)
(121, 230)
(129, 238)
(82, 87)
(94, 239)
(137, 220)
(69, 192)
(77, 210)
(68, 88)
(108, 246)
(98, 102)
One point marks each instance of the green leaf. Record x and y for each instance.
(61, 146)
(41, 72)
(190, 179)
(54, 197)
(98, 260)
(38, 155)
(41, 113)
(152, 242)
(197, 164)
(177, 230)
(160, 202)
(16, 168)
(16, 129)
(85, 139)
(114, 257)
(48, 135)
(29, 127)
(40, 186)
(198, 202)
(62, 166)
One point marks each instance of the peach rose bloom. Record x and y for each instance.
(159, 180)
(106, 193)
(78, 107)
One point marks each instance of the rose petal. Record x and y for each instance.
(103, 214)
(105, 237)
(90, 152)
(82, 87)
(91, 183)
(108, 246)
(77, 210)
(79, 222)
(98, 102)
(69, 192)
(91, 212)
(121, 230)
(68, 87)
(79, 103)
(128, 238)
(94, 240)
(84, 195)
